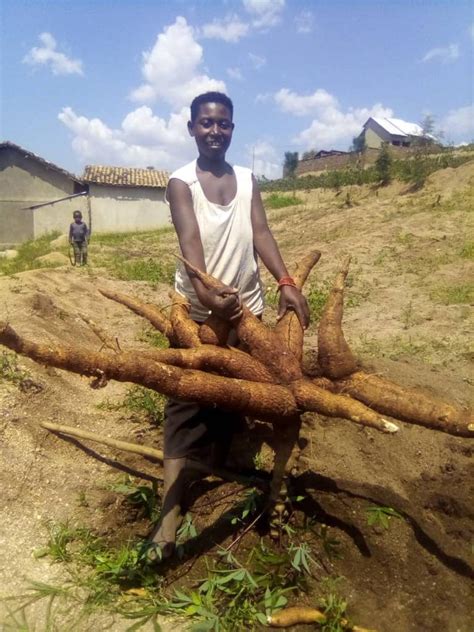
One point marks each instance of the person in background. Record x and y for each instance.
(222, 229)
(79, 238)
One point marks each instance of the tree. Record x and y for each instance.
(358, 144)
(290, 164)
(383, 165)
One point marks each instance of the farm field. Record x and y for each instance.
(383, 523)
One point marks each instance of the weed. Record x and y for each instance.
(381, 516)
(247, 507)
(259, 461)
(149, 270)
(142, 401)
(146, 402)
(454, 294)
(317, 298)
(154, 338)
(142, 496)
(300, 557)
(272, 297)
(467, 251)
(10, 371)
(28, 253)
(277, 200)
(330, 545)
(407, 315)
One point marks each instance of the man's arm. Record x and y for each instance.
(269, 253)
(70, 233)
(225, 303)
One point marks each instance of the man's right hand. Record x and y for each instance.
(225, 302)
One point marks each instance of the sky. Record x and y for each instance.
(110, 81)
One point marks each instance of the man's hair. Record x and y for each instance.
(77, 213)
(210, 97)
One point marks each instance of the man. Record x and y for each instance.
(221, 225)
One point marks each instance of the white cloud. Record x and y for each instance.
(458, 125)
(235, 73)
(331, 126)
(47, 55)
(230, 29)
(143, 139)
(304, 22)
(264, 13)
(303, 105)
(444, 55)
(257, 61)
(171, 68)
(265, 160)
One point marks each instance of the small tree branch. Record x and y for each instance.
(126, 446)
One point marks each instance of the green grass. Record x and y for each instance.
(454, 294)
(277, 200)
(317, 298)
(467, 251)
(28, 252)
(150, 270)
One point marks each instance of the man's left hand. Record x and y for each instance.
(291, 298)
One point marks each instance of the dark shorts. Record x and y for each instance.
(193, 431)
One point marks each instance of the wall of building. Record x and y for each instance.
(58, 216)
(122, 209)
(25, 182)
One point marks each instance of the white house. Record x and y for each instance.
(379, 130)
(126, 199)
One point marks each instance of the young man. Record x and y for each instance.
(221, 225)
(79, 238)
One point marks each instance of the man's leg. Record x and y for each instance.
(84, 253)
(77, 252)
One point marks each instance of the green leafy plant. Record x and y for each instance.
(247, 507)
(317, 298)
(381, 516)
(146, 402)
(10, 371)
(144, 496)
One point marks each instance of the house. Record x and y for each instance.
(378, 130)
(126, 199)
(36, 196)
(322, 160)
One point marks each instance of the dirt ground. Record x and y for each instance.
(407, 253)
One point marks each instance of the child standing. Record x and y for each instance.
(221, 225)
(79, 238)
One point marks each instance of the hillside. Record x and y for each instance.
(408, 316)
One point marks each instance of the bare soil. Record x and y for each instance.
(408, 253)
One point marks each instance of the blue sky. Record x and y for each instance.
(110, 81)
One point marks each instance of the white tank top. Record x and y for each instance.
(227, 240)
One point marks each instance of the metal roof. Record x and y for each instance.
(125, 176)
(398, 127)
(29, 154)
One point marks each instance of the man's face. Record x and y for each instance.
(212, 130)
(77, 218)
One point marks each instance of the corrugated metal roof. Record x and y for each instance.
(29, 154)
(398, 127)
(125, 176)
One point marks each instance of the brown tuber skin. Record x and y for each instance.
(265, 381)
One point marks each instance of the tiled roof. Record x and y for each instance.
(125, 176)
(29, 154)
